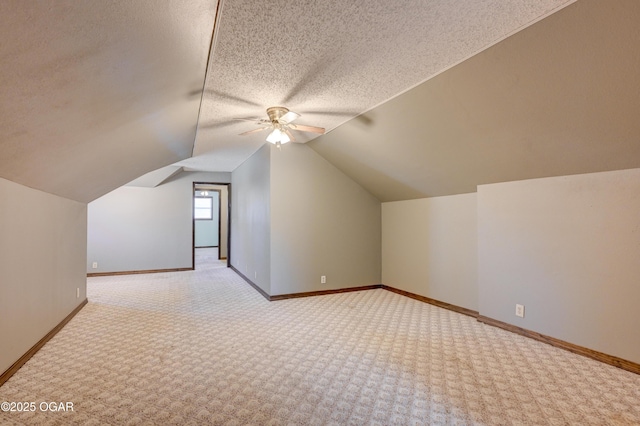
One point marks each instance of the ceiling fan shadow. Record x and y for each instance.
(194, 93)
(215, 125)
(332, 113)
(366, 119)
(319, 67)
(231, 98)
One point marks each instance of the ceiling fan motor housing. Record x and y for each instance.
(276, 112)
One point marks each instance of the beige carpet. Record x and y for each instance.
(203, 347)
(207, 257)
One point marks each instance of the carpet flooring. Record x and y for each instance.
(203, 347)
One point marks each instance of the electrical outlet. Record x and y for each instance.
(323, 279)
(94, 265)
(520, 311)
(255, 274)
(78, 293)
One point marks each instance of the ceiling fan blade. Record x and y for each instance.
(303, 128)
(259, 129)
(288, 117)
(288, 133)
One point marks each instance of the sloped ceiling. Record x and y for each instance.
(156, 177)
(331, 61)
(560, 97)
(95, 93)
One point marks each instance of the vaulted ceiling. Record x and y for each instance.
(421, 98)
(332, 61)
(560, 97)
(96, 93)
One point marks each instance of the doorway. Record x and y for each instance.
(211, 230)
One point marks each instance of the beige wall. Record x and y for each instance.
(568, 249)
(251, 218)
(42, 263)
(140, 229)
(322, 223)
(429, 247)
(565, 247)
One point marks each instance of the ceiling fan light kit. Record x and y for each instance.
(278, 136)
(281, 123)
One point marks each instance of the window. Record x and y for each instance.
(203, 208)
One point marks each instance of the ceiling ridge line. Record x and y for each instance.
(214, 37)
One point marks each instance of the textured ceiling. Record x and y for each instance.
(331, 62)
(560, 97)
(95, 93)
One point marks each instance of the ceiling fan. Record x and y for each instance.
(281, 123)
